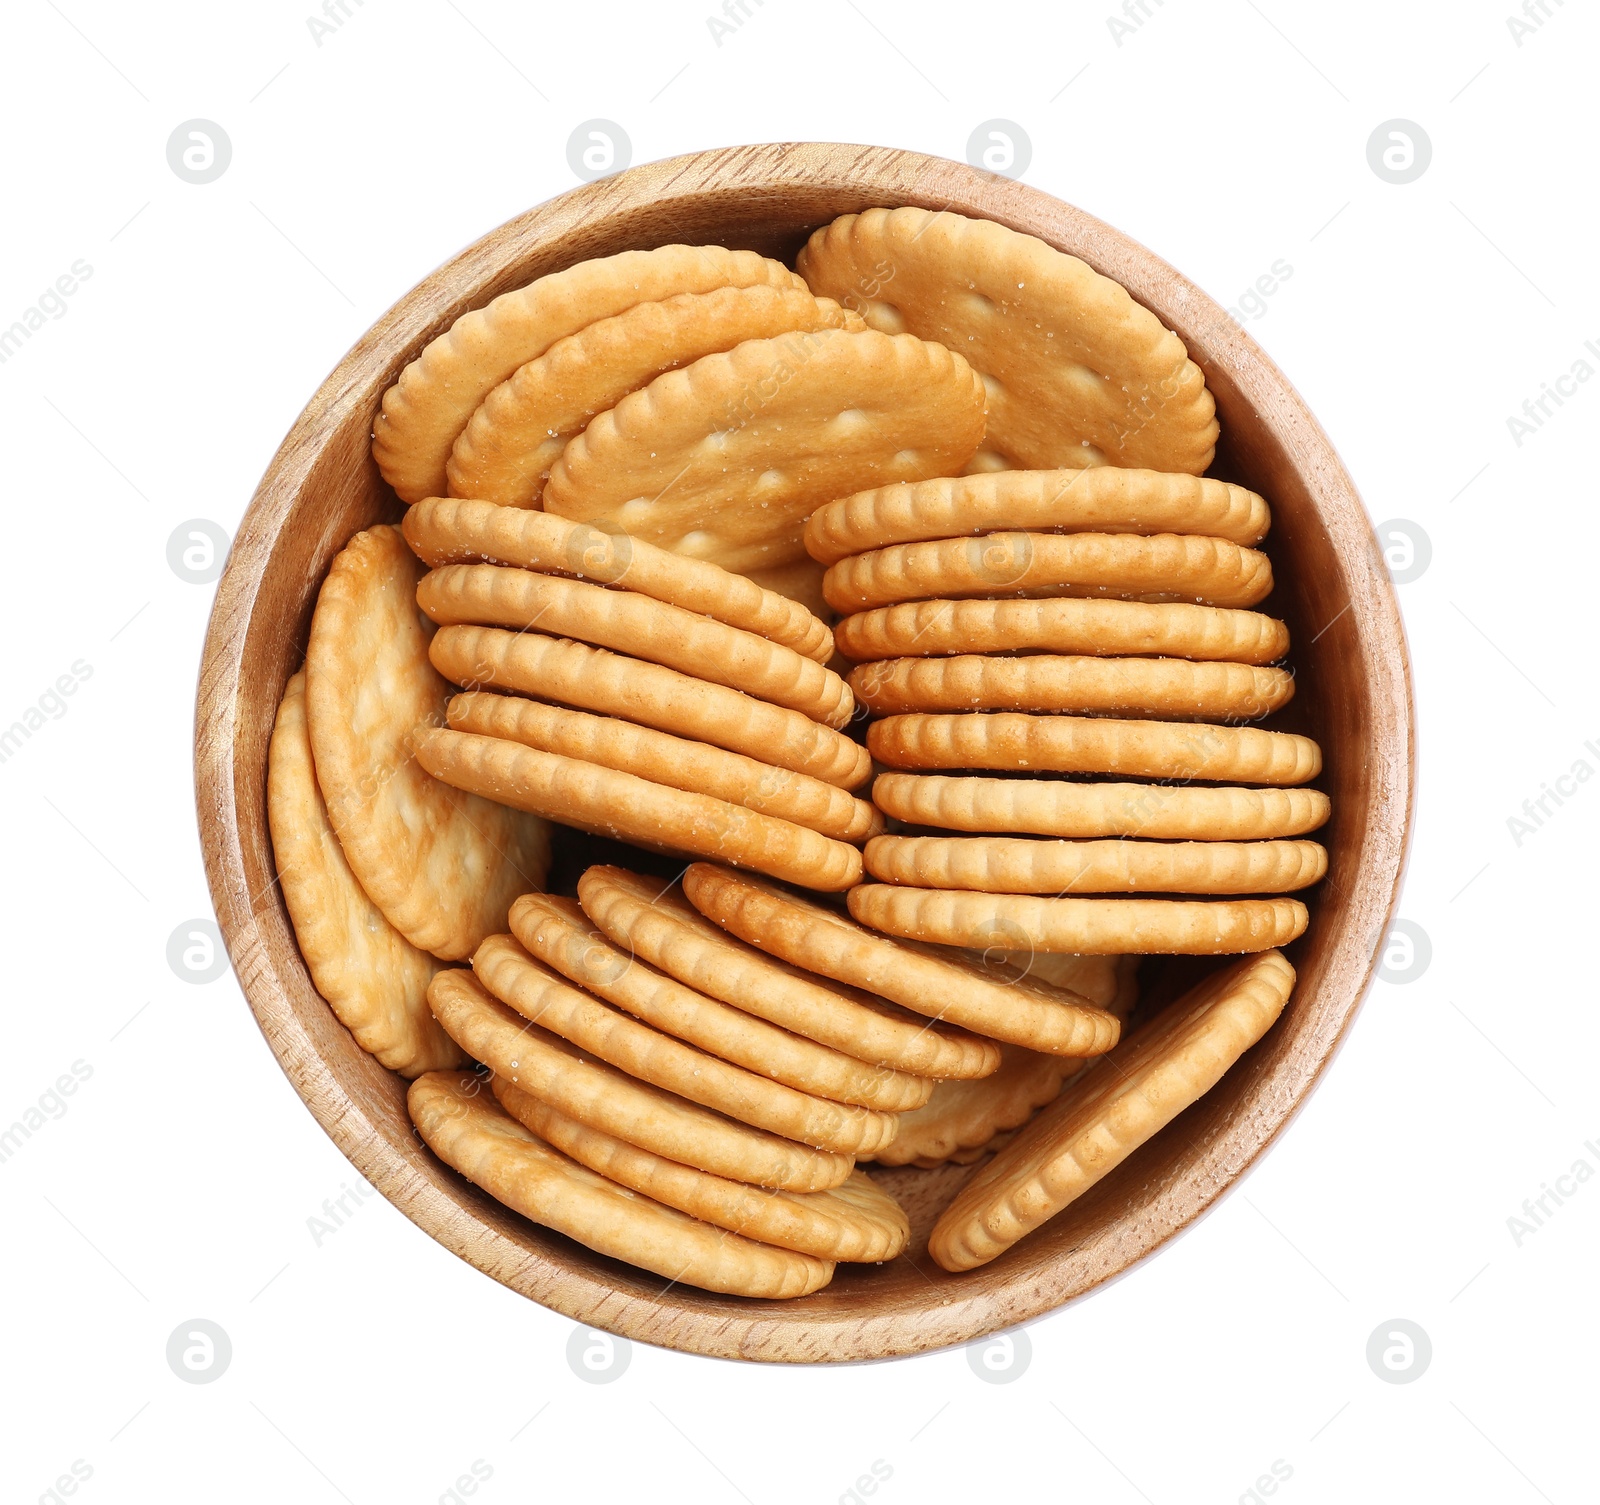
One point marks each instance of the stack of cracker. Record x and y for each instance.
(385, 871)
(696, 398)
(673, 1097)
(654, 699)
(1041, 626)
(1048, 1017)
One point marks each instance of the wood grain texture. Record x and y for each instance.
(1355, 698)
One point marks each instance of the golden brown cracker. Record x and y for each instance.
(1077, 373)
(1160, 568)
(1104, 499)
(1189, 927)
(1070, 809)
(505, 453)
(696, 767)
(1169, 629)
(489, 595)
(856, 1220)
(995, 1001)
(594, 679)
(594, 1093)
(655, 922)
(1090, 744)
(442, 865)
(963, 1118)
(461, 1122)
(1173, 689)
(627, 808)
(558, 933)
(449, 530)
(546, 998)
(1111, 1109)
(725, 459)
(373, 978)
(1014, 865)
(437, 394)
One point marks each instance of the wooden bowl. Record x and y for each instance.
(1349, 651)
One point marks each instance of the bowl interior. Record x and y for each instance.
(1348, 651)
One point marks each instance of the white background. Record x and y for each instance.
(378, 1367)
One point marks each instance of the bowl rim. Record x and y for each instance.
(900, 177)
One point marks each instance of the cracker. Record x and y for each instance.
(595, 1027)
(1077, 372)
(725, 459)
(625, 807)
(443, 866)
(1185, 927)
(374, 979)
(1111, 1109)
(505, 453)
(962, 1118)
(452, 531)
(489, 595)
(460, 1121)
(855, 1221)
(593, 679)
(558, 933)
(1097, 978)
(1103, 499)
(995, 1001)
(968, 1156)
(440, 390)
(1066, 808)
(1170, 688)
(693, 766)
(1169, 629)
(658, 925)
(1084, 744)
(1162, 567)
(1011, 865)
(594, 1093)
